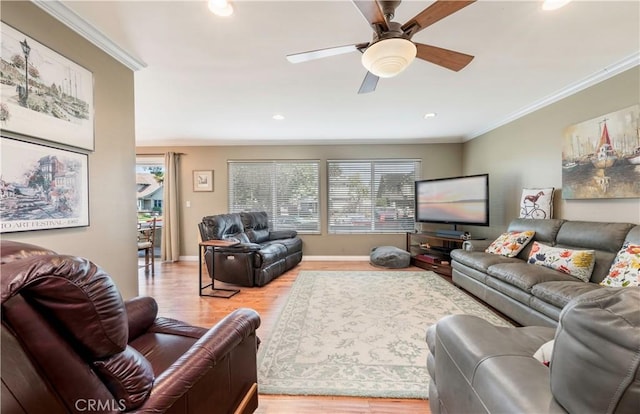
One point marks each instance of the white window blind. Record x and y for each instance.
(372, 196)
(288, 191)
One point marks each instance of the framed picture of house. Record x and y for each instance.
(203, 180)
(44, 94)
(42, 187)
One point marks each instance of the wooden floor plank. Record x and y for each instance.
(175, 288)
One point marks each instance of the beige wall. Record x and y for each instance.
(110, 240)
(528, 153)
(524, 153)
(438, 160)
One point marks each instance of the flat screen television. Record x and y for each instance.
(454, 200)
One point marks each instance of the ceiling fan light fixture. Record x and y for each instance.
(220, 8)
(388, 57)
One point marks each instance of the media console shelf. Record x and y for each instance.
(431, 251)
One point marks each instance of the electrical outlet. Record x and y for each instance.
(188, 204)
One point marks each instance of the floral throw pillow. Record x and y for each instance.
(511, 243)
(625, 269)
(537, 203)
(577, 263)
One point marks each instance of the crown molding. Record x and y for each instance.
(600, 76)
(76, 23)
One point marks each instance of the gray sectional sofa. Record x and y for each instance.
(531, 294)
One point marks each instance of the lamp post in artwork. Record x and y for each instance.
(26, 49)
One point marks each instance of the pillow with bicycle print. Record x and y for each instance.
(537, 203)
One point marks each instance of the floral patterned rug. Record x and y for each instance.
(359, 333)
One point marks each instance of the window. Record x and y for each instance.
(287, 190)
(149, 185)
(372, 196)
(149, 190)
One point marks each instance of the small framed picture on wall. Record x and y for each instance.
(202, 180)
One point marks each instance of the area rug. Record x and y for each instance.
(358, 333)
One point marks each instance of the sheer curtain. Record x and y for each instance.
(170, 246)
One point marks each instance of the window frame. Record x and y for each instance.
(275, 202)
(374, 226)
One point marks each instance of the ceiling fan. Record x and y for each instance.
(391, 49)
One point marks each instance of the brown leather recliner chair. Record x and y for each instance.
(71, 344)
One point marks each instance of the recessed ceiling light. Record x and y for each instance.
(430, 115)
(221, 8)
(278, 117)
(554, 4)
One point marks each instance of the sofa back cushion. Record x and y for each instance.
(76, 295)
(256, 224)
(12, 250)
(545, 229)
(596, 355)
(220, 226)
(605, 238)
(255, 220)
(633, 236)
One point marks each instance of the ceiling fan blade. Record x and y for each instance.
(443, 57)
(372, 13)
(322, 53)
(369, 83)
(432, 14)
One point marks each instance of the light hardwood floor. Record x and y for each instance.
(175, 288)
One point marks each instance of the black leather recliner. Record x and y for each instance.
(260, 256)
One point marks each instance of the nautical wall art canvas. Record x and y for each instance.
(42, 187)
(44, 95)
(601, 156)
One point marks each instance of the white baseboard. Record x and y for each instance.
(335, 258)
(304, 258)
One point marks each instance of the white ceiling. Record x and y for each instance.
(210, 80)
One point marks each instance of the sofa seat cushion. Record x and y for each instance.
(161, 349)
(480, 260)
(525, 276)
(560, 293)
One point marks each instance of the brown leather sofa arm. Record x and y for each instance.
(141, 313)
(175, 327)
(179, 378)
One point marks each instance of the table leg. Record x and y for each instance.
(215, 292)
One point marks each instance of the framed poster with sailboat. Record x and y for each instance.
(601, 156)
(44, 94)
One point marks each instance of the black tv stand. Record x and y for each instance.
(431, 251)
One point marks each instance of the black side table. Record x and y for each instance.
(215, 292)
